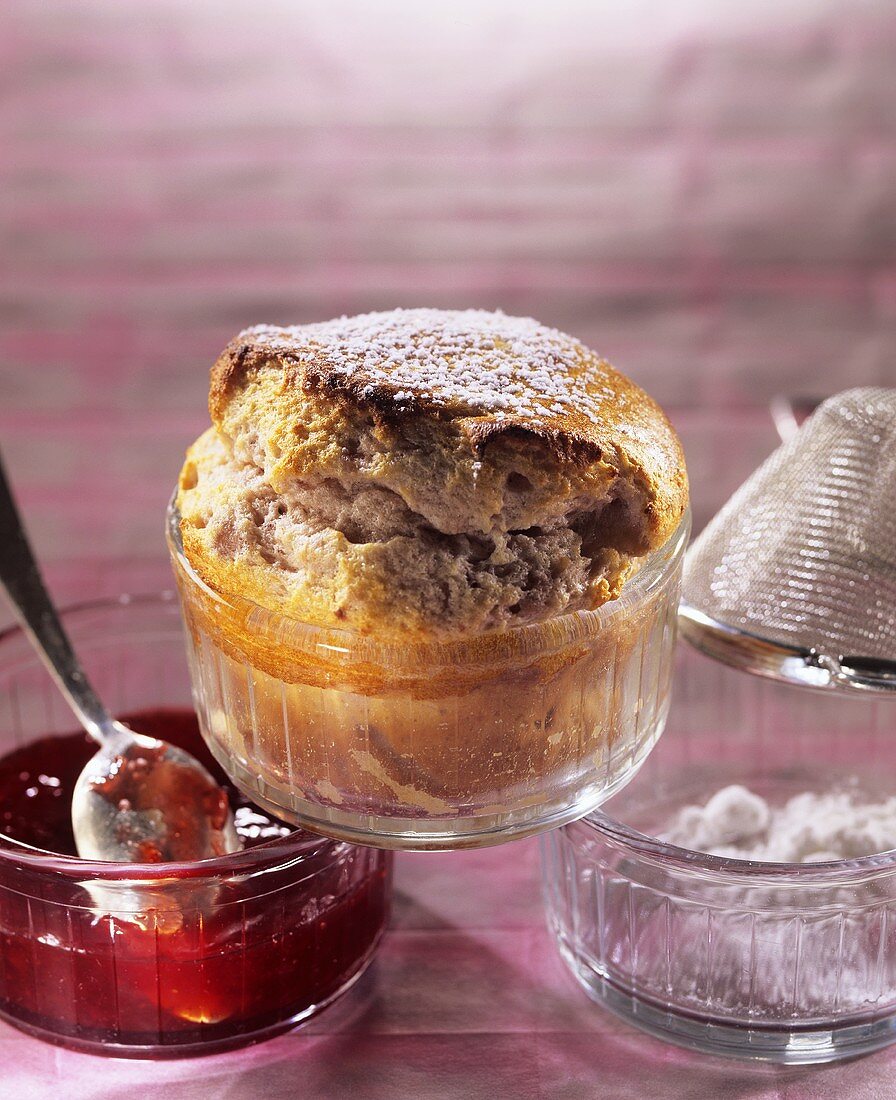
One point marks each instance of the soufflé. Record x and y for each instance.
(446, 498)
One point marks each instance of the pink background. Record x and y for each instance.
(704, 191)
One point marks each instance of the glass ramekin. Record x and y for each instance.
(160, 960)
(428, 745)
(790, 963)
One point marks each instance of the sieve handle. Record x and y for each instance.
(789, 411)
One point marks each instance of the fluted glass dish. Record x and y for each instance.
(162, 960)
(433, 745)
(791, 963)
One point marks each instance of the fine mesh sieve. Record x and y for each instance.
(795, 578)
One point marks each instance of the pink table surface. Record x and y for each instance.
(466, 999)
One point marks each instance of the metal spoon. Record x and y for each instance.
(138, 799)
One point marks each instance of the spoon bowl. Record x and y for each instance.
(141, 800)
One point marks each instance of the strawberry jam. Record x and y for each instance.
(178, 960)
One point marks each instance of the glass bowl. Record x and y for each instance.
(790, 963)
(433, 745)
(158, 960)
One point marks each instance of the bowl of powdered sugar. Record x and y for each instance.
(740, 896)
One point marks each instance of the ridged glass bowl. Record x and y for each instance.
(784, 962)
(432, 746)
(163, 960)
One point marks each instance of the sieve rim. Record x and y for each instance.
(813, 669)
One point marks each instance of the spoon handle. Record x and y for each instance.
(23, 584)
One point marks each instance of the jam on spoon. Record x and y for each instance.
(147, 777)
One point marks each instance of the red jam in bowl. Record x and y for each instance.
(182, 961)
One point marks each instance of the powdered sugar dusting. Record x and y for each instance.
(471, 361)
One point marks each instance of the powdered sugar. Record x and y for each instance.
(472, 361)
(808, 828)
